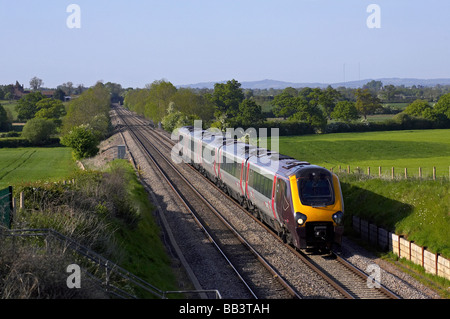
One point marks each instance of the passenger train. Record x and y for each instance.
(303, 203)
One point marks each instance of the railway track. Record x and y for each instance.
(349, 281)
(259, 277)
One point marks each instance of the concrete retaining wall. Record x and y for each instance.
(432, 263)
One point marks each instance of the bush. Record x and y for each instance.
(38, 131)
(82, 141)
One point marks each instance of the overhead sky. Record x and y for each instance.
(134, 42)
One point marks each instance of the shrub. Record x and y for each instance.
(38, 131)
(82, 141)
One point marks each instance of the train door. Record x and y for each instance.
(282, 201)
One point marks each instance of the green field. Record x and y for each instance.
(418, 209)
(399, 149)
(31, 164)
(10, 106)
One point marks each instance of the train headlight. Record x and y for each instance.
(338, 217)
(300, 218)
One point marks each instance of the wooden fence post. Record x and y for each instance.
(379, 171)
(420, 172)
(392, 172)
(368, 171)
(406, 173)
(21, 200)
(434, 173)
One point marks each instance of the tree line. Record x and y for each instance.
(228, 105)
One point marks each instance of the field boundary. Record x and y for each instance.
(433, 263)
(394, 173)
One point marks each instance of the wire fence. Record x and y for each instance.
(395, 173)
(113, 279)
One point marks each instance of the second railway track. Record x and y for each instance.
(349, 283)
(262, 280)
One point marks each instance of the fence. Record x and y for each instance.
(431, 262)
(110, 276)
(6, 206)
(395, 172)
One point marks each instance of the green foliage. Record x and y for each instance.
(38, 131)
(249, 114)
(418, 108)
(227, 97)
(284, 104)
(345, 111)
(366, 103)
(27, 105)
(4, 120)
(414, 208)
(309, 113)
(443, 106)
(152, 101)
(177, 119)
(82, 140)
(90, 108)
(50, 109)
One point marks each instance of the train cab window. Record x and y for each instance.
(315, 187)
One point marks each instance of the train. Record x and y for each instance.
(300, 201)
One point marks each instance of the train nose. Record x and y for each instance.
(320, 231)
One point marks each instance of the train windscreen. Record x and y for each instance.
(315, 187)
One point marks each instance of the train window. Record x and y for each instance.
(261, 183)
(315, 187)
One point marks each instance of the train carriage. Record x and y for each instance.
(302, 202)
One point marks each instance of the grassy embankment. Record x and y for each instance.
(419, 209)
(107, 211)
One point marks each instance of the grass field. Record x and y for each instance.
(419, 209)
(399, 149)
(31, 164)
(11, 106)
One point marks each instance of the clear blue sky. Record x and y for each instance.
(135, 42)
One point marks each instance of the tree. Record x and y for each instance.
(50, 109)
(38, 131)
(159, 96)
(26, 106)
(227, 97)
(36, 83)
(366, 103)
(309, 112)
(443, 105)
(328, 100)
(345, 111)
(59, 94)
(284, 105)
(4, 120)
(90, 108)
(249, 113)
(82, 140)
(418, 108)
(373, 86)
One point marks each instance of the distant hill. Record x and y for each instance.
(274, 84)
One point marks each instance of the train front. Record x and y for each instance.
(318, 207)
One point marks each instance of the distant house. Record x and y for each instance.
(48, 93)
(67, 98)
(18, 91)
